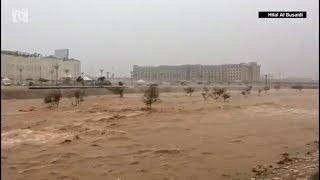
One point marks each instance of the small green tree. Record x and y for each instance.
(217, 92)
(277, 87)
(118, 90)
(246, 91)
(225, 96)
(298, 87)
(266, 88)
(53, 98)
(259, 91)
(80, 80)
(43, 80)
(151, 95)
(67, 81)
(189, 90)
(183, 83)
(205, 94)
(206, 89)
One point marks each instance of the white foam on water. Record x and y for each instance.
(27, 136)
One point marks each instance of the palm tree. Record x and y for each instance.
(51, 72)
(107, 75)
(101, 72)
(67, 79)
(56, 67)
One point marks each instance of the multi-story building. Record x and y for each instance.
(61, 53)
(20, 67)
(243, 72)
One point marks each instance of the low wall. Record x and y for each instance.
(25, 93)
(18, 92)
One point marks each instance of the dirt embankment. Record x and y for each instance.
(16, 92)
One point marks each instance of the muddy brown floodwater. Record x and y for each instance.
(182, 138)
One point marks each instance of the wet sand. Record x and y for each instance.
(183, 137)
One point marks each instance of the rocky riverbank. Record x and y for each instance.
(300, 166)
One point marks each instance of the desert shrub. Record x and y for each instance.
(259, 91)
(217, 92)
(205, 94)
(298, 87)
(205, 89)
(151, 95)
(53, 98)
(42, 80)
(247, 91)
(225, 96)
(102, 78)
(189, 90)
(67, 81)
(266, 88)
(243, 93)
(277, 87)
(78, 95)
(183, 83)
(101, 81)
(80, 80)
(117, 90)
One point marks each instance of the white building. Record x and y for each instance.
(243, 72)
(61, 53)
(20, 67)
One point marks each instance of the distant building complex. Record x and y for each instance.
(61, 53)
(243, 72)
(20, 67)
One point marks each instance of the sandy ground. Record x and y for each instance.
(183, 137)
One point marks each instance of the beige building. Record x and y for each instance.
(244, 72)
(20, 67)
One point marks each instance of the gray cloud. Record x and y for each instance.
(151, 32)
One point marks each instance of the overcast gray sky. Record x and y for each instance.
(116, 34)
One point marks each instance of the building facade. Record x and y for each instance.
(61, 53)
(243, 72)
(20, 67)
